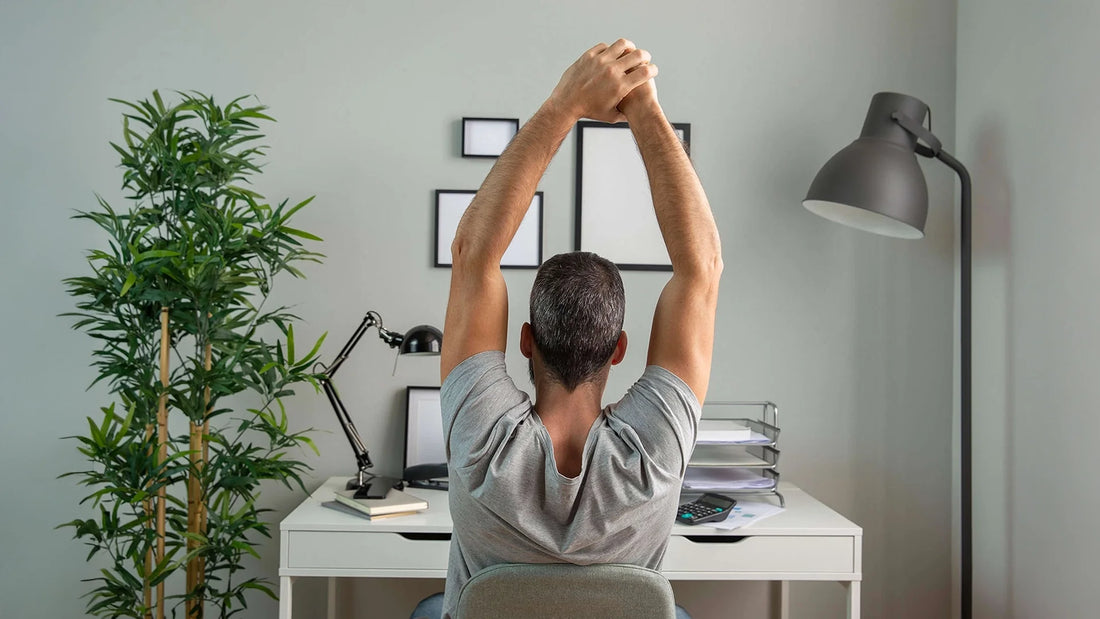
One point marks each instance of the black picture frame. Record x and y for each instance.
(616, 203)
(525, 251)
(486, 138)
(421, 401)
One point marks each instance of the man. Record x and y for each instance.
(564, 479)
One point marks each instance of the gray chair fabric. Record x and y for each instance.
(566, 591)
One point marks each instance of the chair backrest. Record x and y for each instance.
(563, 590)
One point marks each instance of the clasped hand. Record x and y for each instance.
(606, 81)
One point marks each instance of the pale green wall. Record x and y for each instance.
(851, 334)
(1028, 97)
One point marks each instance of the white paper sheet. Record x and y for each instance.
(755, 438)
(745, 513)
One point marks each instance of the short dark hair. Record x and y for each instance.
(577, 308)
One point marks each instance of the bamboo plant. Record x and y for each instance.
(176, 303)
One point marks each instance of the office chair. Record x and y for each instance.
(566, 591)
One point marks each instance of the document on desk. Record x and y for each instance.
(745, 513)
(715, 478)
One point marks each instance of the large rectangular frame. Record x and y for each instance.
(614, 207)
(525, 251)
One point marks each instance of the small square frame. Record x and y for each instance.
(525, 251)
(487, 137)
(614, 207)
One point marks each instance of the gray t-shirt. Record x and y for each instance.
(511, 505)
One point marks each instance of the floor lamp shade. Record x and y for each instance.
(875, 183)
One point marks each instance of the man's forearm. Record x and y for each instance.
(487, 227)
(683, 212)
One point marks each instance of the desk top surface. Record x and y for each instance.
(804, 515)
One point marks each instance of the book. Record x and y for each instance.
(719, 431)
(395, 502)
(351, 511)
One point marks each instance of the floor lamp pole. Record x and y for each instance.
(965, 470)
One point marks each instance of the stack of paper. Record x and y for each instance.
(722, 431)
(719, 455)
(710, 478)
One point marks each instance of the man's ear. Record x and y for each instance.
(620, 349)
(526, 340)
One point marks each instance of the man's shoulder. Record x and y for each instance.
(658, 386)
(472, 368)
(480, 382)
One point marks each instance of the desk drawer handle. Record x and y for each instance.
(427, 537)
(715, 539)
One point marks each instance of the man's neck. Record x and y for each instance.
(568, 417)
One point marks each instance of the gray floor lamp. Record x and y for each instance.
(875, 184)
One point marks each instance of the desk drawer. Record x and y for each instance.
(759, 555)
(359, 550)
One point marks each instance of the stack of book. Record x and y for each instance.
(396, 503)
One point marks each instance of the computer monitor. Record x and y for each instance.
(425, 453)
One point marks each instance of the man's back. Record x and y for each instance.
(511, 505)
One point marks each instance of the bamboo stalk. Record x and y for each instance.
(148, 504)
(162, 449)
(196, 506)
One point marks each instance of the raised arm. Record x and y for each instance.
(477, 308)
(682, 337)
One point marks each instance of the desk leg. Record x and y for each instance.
(332, 597)
(781, 599)
(853, 598)
(286, 601)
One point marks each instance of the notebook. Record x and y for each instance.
(395, 502)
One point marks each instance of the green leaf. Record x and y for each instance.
(290, 344)
(130, 279)
(299, 233)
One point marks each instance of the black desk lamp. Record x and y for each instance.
(420, 340)
(875, 184)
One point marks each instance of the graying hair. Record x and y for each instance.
(577, 308)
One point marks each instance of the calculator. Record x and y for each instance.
(707, 508)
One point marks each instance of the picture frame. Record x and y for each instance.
(525, 251)
(424, 443)
(487, 137)
(614, 208)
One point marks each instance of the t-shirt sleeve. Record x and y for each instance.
(660, 414)
(480, 405)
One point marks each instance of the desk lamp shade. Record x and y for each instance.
(875, 183)
(422, 340)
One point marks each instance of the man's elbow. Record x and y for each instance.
(462, 248)
(465, 251)
(706, 269)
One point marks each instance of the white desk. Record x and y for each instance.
(808, 541)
